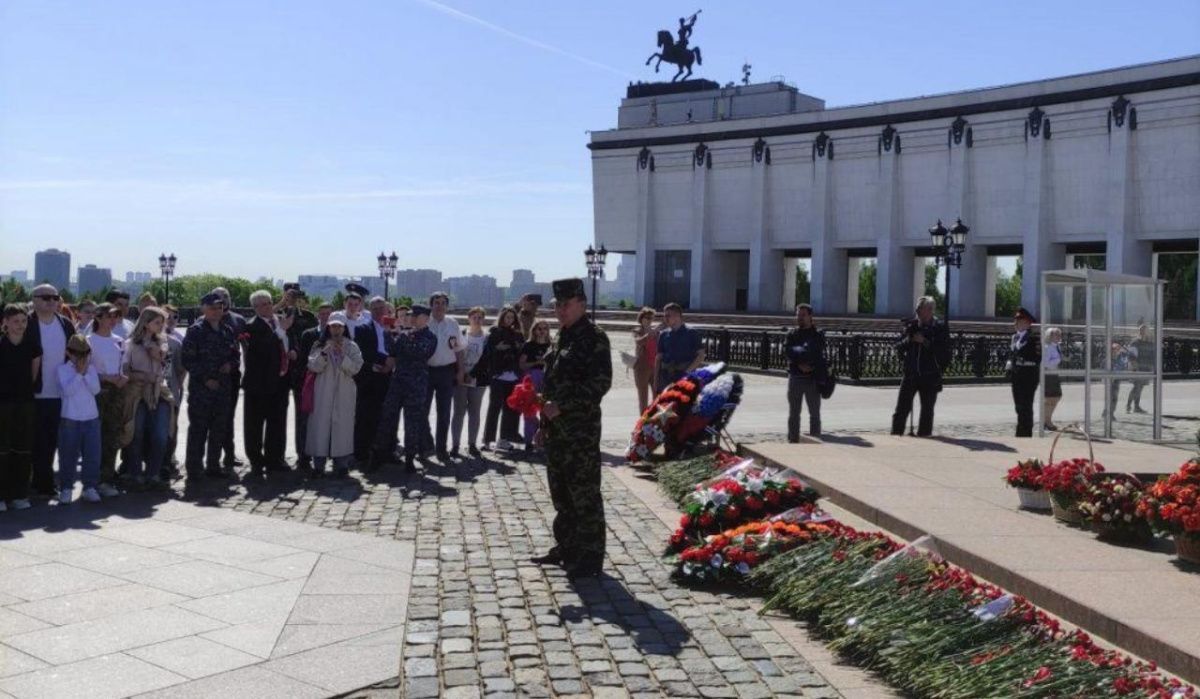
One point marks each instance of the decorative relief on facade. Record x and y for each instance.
(761, 151)
(888, 139)
(702, 157)
(957, 130)
(1033, 124)
(645, 159)
(822, 144)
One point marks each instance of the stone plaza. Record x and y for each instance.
(419, 585)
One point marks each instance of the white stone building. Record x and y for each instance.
(719, 191)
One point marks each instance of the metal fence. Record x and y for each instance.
(873, 358)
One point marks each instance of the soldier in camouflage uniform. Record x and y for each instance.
(578, 374)
(210, 353)
(407, 390)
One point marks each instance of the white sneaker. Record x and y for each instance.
(503, 445)
(21, 504)
(90, 495)
(107, 490)
(64, 496)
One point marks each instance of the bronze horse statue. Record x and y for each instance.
(681, 56)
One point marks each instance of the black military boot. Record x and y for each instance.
(551, 557)
(585, 568)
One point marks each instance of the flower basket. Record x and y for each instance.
(1066, 481)
(1065, 509)
(1135, 535)
(1034, 499)
(1110, 508)
(1187, 548)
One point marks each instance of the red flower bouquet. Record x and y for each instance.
(1026, 474)
(1172, 506)
(1110, 507)
(735, 552)
(750, 494)
(1070, 478)
(525, 399)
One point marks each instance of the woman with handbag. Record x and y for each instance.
(499, 367)
(334, 361)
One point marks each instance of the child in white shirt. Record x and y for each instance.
(79, 428)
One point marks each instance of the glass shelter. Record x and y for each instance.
(1107, 328)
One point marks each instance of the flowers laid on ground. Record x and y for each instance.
(1110, 505)
(1172, 504)
(1026, 474)
(735, 552)
(696, 405)
(678, 478)
(744, 493)
(1069, 478)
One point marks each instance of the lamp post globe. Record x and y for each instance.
(166, 265)
(387, 268)
(595, 259)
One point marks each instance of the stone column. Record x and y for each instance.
(766, 263)
(1125, 254)
(966, 292)
(894, 292)
(643, 278)
(1038, 253)
(703, 262)
(828, 272)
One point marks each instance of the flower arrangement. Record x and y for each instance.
(1110, 507)
(525, 399)
(749, 494)
(1172, 506)
(1026, 474)
(685, 412)
(735, 552)
(678, 478)
(1069, 478)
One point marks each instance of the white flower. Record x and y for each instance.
(687, 568)
(1128, 518)
(719, 497)
(1106, 517)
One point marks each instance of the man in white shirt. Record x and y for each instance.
(120, 299)
(51, 331)
(353, 314)
(445, 370)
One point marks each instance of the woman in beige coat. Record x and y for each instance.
(335, 360)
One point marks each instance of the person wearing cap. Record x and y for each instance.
(295, 304)
(79, 428)
(353, 314)
(376, 344)
(1024, 358)
(237, 324)
(334, 359)
(924, 350)
(445, 372)
(407, 392)
(20, 364)
(210, 353)
(120, 300)
(578, 374)
(49, 330)
(266, 385)
(108, 354)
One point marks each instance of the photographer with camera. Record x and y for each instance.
(924, 350)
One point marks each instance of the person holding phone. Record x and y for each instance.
(407, 392)
(335, 360)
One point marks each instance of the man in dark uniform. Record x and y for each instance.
(924, 353)
(578, 374)
(210, 352)
(407, 391)
(294, 306)
(375, 342)
(1024, 358)
(237, 324)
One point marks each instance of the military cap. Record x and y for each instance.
(567, 289)
(1022, 312)
(291, 286)
(419, 310)
(354, 289)
(212, 299)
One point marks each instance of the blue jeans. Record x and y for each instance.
(75, 438)
(157, 423)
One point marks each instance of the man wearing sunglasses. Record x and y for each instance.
(49, 330)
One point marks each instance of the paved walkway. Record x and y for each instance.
(180, 600)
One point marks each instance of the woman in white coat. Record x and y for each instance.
(335, 360)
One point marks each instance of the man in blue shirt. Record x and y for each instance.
(680, 349)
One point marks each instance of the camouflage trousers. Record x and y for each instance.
(406, 394)
(111, 403)
(573, 470)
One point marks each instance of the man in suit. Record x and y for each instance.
(1024, 361)
(266, 385)
(375, 342)
(237, 324)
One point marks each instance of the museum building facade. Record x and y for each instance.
(720, 192)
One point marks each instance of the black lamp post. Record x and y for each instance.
(948, 248)
(166, 265)
(595, 269)
(387, 268)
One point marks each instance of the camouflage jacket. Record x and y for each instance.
(578, 372)
(205, 349)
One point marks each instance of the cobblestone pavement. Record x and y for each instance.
(483, 621)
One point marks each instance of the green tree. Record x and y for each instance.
(1178, 270)
(932, 290)
(339, 299)
(97, 295)
(866, 287)
(1008, 291)
(12, 291)
(66, 295)
(187, 290)
(404, 301)
(803, 285)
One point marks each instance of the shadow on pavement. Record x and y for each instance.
(849, 440)
(80, 516)
(606, 599)
(975, 444)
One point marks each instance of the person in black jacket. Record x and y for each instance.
(499, 367)
(1024, 358)
(373, 379)
(266, 384)
(807, 370)
(49, 330)
(294, 304)
(924, 351)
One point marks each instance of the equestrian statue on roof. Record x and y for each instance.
(677, 51)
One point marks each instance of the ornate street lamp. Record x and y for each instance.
(387, 269)
(595, 269)
(166, 265)
(948, 248)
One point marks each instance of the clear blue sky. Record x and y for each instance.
(290, 136)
